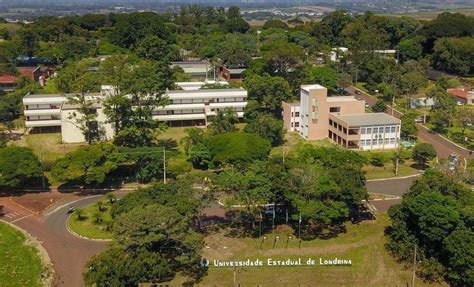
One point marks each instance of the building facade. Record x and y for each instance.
(342, 119)
(185, 108)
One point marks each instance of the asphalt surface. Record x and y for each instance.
(394, 186)
(68, 253)
(442, 146)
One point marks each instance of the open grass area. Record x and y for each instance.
(388, 170)
(88, 225)
(20, 264)
(454, 133)
(363, 244)
(293, 140)
(48, 146)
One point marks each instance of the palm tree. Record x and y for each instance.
(224, 121)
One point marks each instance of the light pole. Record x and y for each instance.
(164, 165)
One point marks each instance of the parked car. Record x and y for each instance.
(357, 92)
(419, 120)
(367, 105)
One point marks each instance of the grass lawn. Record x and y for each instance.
(293, 140)
(89, 227)
(48, 146)
(362, 243)
(20, 264)
(388, 170)
(455, 134)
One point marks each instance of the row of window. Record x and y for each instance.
(201, 100)
(377, 142)
(296, 124)
(295, 114)
(375, 130)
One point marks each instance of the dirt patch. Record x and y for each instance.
(38, 201)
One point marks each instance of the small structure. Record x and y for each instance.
(421, 102)
(9, 82)
(198, 70)
(342, 119)
(232, 74)
(463, 96)
(337, 54)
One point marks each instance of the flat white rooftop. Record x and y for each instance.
(370, 119)
(312, 87)
(341, 99)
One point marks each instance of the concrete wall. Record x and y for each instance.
(71, 133)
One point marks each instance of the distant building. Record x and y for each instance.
(342, 119)
(232, 74)
(198, 70)
(9, 82)
(337, 54)
(421, 102)
(463, 97)
(186, 108)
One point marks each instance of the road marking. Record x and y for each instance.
(18, 219)
(69, 203)
(395, 178)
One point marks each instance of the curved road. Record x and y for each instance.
(67, 252)
(442, 146)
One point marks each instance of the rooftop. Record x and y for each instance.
(342, 99)
(312, 87)
(204, 91)
(293, 104)
(370, 119)
(459, 93)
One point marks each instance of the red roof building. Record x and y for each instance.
(464, 97)
(8, 82)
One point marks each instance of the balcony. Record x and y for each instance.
(42, 112)
(42, 123)
(179, 117)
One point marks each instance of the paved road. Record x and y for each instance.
(395, 186)
(442, 146)
(68, 253)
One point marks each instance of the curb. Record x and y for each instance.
(81, 236)
(446, 139)
(395, 178)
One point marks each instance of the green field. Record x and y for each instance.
(20, 264)
(363, 244)
(89, 227)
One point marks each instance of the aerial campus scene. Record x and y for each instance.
(236, 143)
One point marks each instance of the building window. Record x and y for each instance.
(297, 114)
(334, 109)
(291, 124)
(330, 122)
(297, 124)
(393, 129)
(292, 114)
(387, 129)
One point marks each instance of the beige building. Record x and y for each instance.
(342, 119)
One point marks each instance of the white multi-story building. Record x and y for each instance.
(185, 108)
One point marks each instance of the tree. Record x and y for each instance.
(282, 57)
(408, 126)
(444, 107)
(223, 121)
(465, 116)
(325, 76)
(110, 197)
(332, 26)
(87, 165)
(268, 127)
(411, 82)
(434, 217)
(28, 42)
(410, 49)
(268, 91)
(3, 138)
(379, 107)
(423, 152)
(155, 48)
(18, 166)
(169, 246)
(454, 55)
(251, 186)
(274, 23)
(237, 148)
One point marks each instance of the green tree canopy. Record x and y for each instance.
(19, 166)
